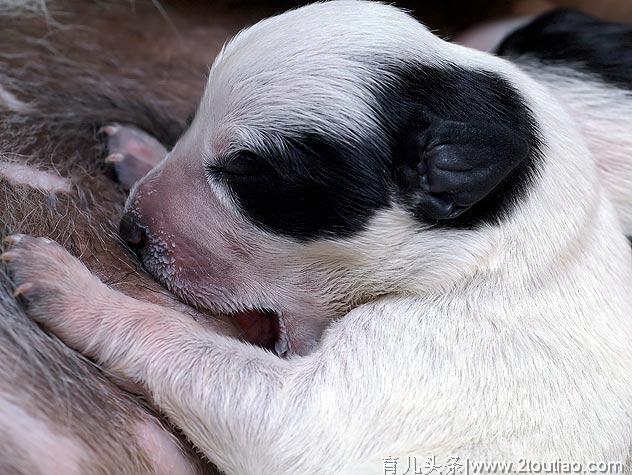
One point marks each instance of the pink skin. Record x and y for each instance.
(63, 296)
(46, 276)
(51, 450)
(53, 283)
(136, 342)
(132, 152)
(214, 260)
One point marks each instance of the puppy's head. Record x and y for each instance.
(340, 152)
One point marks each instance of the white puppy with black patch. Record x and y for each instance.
(421, 224)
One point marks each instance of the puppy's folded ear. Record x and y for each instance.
(450, 166)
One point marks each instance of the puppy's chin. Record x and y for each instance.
(262, 327)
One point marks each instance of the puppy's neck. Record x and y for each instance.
(556, 233)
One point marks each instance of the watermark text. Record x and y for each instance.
(464, 466)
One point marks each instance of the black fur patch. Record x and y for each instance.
(451, 100)
(310, 188)
(315, 187)
(571, 38)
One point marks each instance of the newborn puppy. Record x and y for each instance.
(423, 229)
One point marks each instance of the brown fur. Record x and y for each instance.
(71, 70)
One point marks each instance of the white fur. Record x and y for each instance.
(505, 342)
(26, 175)
(602, 112)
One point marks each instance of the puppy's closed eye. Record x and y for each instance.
(244, 164)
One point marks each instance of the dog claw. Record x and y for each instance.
(115, 158)
(109, 129)
(7, 256)
(13, 239)
(22, 289)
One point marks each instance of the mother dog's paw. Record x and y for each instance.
(56, 288)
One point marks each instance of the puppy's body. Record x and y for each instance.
(467, 314)
(587, 64)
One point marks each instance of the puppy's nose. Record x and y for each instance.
(132, 231)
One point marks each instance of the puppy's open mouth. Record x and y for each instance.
(264, 328)
(259, 326)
